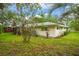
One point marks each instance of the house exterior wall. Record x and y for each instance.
(41, 32)
(52, 32)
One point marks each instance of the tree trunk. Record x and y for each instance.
(26, 33)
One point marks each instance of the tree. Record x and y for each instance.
(26, 31)
(69, 14)
(3, 17)
(74, 15)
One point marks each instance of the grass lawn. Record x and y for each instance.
(12, 45)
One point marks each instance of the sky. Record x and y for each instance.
(45, 8)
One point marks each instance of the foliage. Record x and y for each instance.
(75, 24)
(69, 14)
(1, 29)
(26, 31)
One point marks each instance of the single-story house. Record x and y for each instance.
(49, 29)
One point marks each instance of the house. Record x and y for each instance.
(49, 29)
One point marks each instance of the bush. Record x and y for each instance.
(1, 29)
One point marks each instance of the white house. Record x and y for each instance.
(49, 29)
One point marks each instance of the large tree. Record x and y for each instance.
(70, 14)
(73, 14)
(29, 10)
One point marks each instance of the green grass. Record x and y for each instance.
(12, 45)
